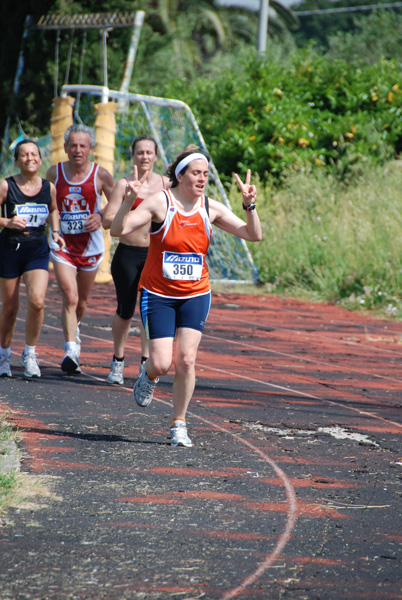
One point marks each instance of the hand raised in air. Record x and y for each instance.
(133, 187)
(249, 192)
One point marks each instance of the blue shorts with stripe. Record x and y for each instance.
(161, 316)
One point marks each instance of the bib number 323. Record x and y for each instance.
(73, 222)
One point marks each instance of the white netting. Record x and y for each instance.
(174, 127)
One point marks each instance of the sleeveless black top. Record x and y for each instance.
(35, 209)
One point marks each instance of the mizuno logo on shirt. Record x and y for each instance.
(32, 210)
(183, 258)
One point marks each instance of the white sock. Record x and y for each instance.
(29, 349)
(5, 351)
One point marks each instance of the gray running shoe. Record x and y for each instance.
(70, 363)
(5, 368)
(29, 362)
(179, 435)
(116, 372)
(144, 389)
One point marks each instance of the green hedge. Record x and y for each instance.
(275, 115)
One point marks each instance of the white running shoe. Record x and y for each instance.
(5, 367)
(116, 372)
(144, 389)
(70, 363)
(29, 362)
(179, 435)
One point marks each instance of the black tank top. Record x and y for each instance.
(35, 209)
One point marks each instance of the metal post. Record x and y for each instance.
(18, 75)
(262, 28)
(132, 51)
(104, 54)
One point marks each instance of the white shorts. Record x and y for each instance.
(81, 263)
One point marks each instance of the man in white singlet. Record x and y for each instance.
(79, 187)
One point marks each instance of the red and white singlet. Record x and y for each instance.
(75, 201)
(175, 265)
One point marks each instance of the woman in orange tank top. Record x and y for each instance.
(175, 289)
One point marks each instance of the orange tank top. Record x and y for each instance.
(175, 265)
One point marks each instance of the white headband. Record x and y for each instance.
(187, 160)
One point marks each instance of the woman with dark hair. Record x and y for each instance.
(131, 252)
(175, 288)
(27, 201)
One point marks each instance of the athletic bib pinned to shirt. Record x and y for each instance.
(35, 214)
(182, 266)
(73, 222)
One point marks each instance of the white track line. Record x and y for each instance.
(291, 513)
(316, 334)
(259, 381)
(290, 491)
(312, 361)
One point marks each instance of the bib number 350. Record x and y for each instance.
(182, 266)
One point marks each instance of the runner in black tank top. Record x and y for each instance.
(27, 202)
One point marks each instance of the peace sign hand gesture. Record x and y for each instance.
(248, 191)
(133, 187)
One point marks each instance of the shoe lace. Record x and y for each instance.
(117, 367)
(31, 362)
(179, 432)
(4, 360)
(179, 425)
(147, 386)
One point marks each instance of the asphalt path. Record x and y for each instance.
(292, 489)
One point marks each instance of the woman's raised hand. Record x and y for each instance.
(248, 191)
(133, 187)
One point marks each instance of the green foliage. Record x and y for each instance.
(320, 130)
(309, 109)
(321, 27)
(8, 481)
(333, 242)
(364, 45)
(178, 37)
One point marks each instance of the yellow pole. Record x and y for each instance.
(60, 121)
(105, 129)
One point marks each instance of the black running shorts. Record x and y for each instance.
(126, 268)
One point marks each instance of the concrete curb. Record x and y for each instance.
(9, 457)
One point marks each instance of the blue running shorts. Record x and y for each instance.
(16, 259)
(161, 316)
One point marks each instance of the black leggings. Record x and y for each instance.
(126, 268)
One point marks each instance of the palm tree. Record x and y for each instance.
(281, 18)
(198, 28)
(188, 24)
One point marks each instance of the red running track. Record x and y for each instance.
(292, 489)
